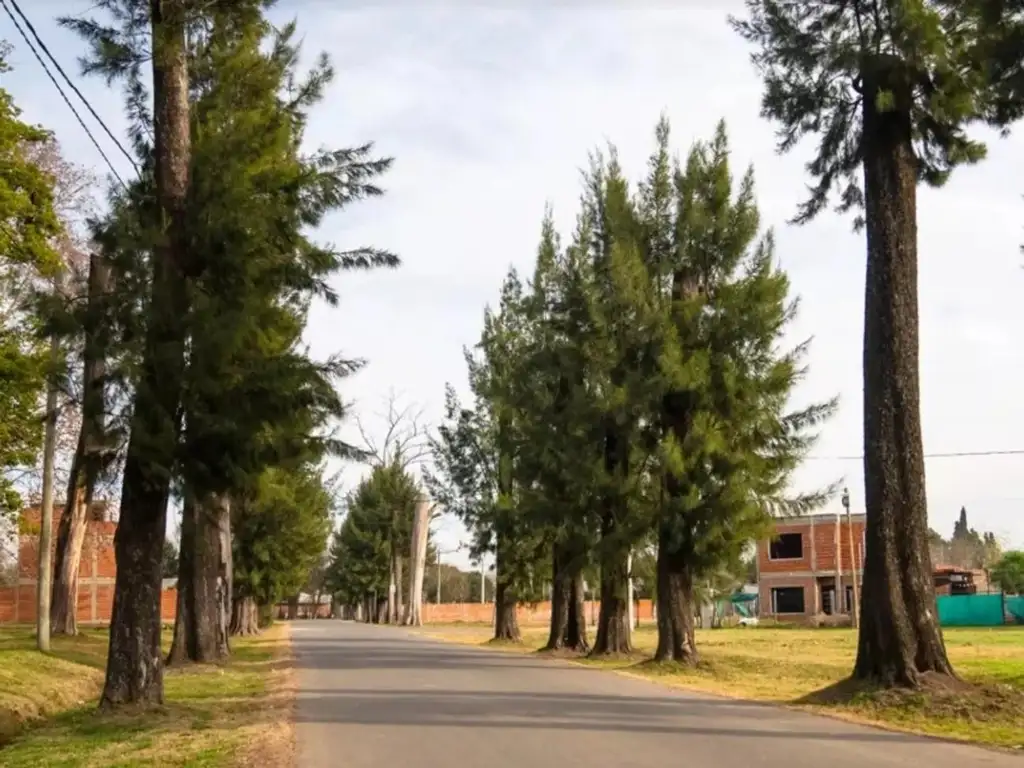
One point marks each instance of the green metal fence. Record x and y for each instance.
(1015, 609)
(973, 610)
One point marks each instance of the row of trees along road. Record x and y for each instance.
(635, 390)
(178, 333)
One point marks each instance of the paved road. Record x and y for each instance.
(383, 697)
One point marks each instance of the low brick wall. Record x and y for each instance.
(528, 614)
(95, 604)
(96, 575)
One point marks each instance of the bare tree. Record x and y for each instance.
(405, 444)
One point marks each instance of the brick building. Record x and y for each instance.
(808, 567)
(96, 573)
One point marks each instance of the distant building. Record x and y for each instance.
(807, 567)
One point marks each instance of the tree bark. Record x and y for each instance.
(576, 629)
(561, 589)
(613, 630)
(399, 607)
(900, 636)
(89, 459)
(568, 628)
(392, 612)
(134, 660)
(293, 608)
(676, 641)
(244, 617)
(506, 623)
(199, 627)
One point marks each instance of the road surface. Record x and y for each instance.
(383, 697)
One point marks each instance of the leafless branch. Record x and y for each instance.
(406, 438)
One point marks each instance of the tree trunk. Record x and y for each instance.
(68, 555)
(417, 564)
(506, 623)
(293, 608)
(399, 608)
(675, 607)
(392, 613)
(900, 636)
(244, 617)
(225, 581)
(89, 459)
(568, 628)
(576, 629)
(561, 589)
(199, 628)
(134, 660)
(613, 630)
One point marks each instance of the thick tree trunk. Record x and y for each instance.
(199, 626)
(506, 623)
(675, 607)
(244, 617)
(613, 630)
(576, 629)
(89, 459)
(568, 628)
(134, 660)
(900, 636)
(293, 608)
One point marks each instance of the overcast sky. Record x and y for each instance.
(489, 110)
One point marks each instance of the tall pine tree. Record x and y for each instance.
(889, 87)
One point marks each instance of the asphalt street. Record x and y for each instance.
(383, 696)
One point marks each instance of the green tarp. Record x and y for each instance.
(971, 610)
(1015, 607)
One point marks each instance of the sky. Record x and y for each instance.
(490, 110)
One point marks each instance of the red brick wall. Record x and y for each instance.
(96, 574)
(824, 546)
(526, 613)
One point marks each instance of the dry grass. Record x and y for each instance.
(238, 713)
(802, 667)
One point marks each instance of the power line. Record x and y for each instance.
(63, 95)
(950, 455)
(70, 82)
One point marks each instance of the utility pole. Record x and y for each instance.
(855, 612)
(44, 573)
(439, 553)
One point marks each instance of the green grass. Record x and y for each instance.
(216, 715)
(801, 667)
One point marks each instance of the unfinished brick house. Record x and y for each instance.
(808, 567)
(96, 575)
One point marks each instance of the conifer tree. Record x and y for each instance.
(555, 472)
(619, 367)
(729, 445)
(889, 87)
(281, 524)
(479, 451)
